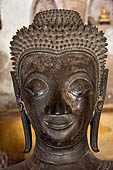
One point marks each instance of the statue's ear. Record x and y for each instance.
(97, 113)
(24, 117)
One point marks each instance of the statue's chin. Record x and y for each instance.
(58, 130)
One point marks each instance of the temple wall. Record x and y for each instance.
(14, 14)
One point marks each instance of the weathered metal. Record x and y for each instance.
(60, 80)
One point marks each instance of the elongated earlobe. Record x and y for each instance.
(24, 117)
(94, 130)
(98, 109)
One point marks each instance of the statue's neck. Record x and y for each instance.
(61, 156)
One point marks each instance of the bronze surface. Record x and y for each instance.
(60, 79)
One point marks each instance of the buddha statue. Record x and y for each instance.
(60, 80)
(104, 18)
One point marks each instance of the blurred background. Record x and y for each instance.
(15, 14)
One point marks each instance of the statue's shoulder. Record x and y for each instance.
(106, 165)
(25, 165)
(19, 166)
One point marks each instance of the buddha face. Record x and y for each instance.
(59, 96)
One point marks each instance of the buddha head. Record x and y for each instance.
(59, 78)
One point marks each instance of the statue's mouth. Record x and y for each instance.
(58, 122)
(58, 125)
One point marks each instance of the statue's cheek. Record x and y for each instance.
(77, 104)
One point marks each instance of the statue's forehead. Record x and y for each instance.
(63, 64)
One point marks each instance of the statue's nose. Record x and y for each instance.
(58, 106)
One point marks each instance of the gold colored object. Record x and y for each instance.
(12, 137)
(104, 18)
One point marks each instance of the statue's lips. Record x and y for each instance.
(59, 122)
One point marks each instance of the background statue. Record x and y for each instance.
(3, 160)
(60, 79)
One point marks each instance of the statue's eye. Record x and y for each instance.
(37, 87)
(78, 88)
(77, 93)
